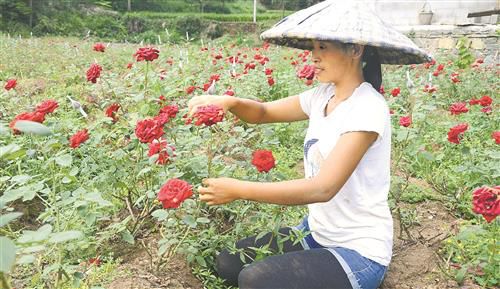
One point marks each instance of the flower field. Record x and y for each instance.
(99, 159)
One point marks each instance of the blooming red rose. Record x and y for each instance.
(485, 100)
(148, 130)
(229, 92)
(78, 138)
(31, 116)
(47, 106)
(161, 148)
(215, 77)
(146, 53)
(268, 71)
(396, 91)
(94, 72)
(170, 110)
(191, 89)
(458, 108)
(429, 88)
(270, 81)
(486, 201)
(307, 72)
(10, 84)
(456, 132)
(474, 101)
(430, 63)
(454, 77)
(440, 67)
(435, 73)
(99, 47)
(250, 65)
(112, 110)
(174, 192)
(405, 121)
(208, 115)
(263, 160)
(496, 136)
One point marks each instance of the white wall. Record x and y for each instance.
(405, 12)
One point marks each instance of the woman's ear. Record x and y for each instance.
(357, 50)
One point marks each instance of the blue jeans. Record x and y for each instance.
(363, 273)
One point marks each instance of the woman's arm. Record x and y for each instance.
(251, 111)
(334, 172)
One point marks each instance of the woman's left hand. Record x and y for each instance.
(217, 191)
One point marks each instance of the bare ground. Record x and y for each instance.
(415, 263)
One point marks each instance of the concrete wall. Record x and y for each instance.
(452, 12)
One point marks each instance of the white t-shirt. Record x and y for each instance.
(358, 216)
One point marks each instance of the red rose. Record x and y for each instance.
(229, 92)
(429, 88)
(440, 67)
(405, 121)
(306, 72)
(112, 110)
(10, 84)
(215, 77)
(485, 100)
(47, 106)
(270, 81)
(263, 160)
(381, 90)
(250, 65)
(190, 89)
(170, 110)
(430, 63)
(496, 136)
(208, 115)
(474, 101)
(31, 116)
(146, 53)
(435, 73)
(129, 65)
(486, 109)
(148, 130)
(99, 47)
(458, 108)
(268, 71)
(396, 91)
(78, 138)
(94, 72)
(486, 201)
(174, 192)
(160, 147)
(456, 132)
(454, 77)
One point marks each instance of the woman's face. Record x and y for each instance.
(332, 63)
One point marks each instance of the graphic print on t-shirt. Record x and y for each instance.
(313, 157)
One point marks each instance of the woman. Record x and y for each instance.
(347, 165)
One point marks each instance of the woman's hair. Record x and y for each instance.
(372, 70)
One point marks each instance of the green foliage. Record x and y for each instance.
(192, 25)
(465, 57)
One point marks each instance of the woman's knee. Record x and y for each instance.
(250, 277)
(228, 266)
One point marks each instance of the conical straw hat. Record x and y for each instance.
(349, 22)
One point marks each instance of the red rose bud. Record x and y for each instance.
(456, 132)
(405, 121)
(78, 138)
(270, 81)
(458, 108)
(146, 53)
(94, 72)
(112, 110)
(174, 192)
(48, 106)
(148, 130)
(396, 91)
(263, 160)
(486, 201)
(160, 147)
(99, 47)
(10, 84)
(129, 65)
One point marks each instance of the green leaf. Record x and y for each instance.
(7, 254)
(64, 160)
(35, 236)
(203, 220)
(5, 219)
(8, 150)
(32, 127)
(200, 261)
(26, 259)
(189, 220)
(65, 236)
(160, 214)
(127, 237)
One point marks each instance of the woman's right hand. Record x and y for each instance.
(226, 102)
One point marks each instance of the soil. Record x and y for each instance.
(415, 263)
